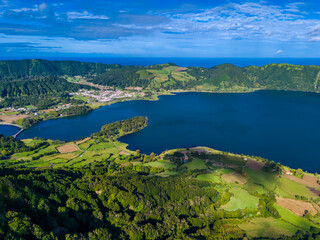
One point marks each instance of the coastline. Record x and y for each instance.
(14, 125)
(156, 95)
(11, 124)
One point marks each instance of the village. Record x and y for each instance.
(31, 110)
(109, 95)
(12, 114)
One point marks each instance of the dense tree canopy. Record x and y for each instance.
(118, 198)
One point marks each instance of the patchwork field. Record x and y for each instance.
(160, 164)
(234, 178)
(195, 164)
(210, 177)
(241, 199)
(68, 148)
(243, 182)
(290, 217)
(268, 180)
(268, 228)
(289, 189)
(306, 180)
(298, 207)
(59, 154)
(255, 165)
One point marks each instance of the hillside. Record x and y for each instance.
(225, 77)
(285, 77)
(95, 188)
(35, 85)
(12, 69)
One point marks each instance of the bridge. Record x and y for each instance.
(15, 125)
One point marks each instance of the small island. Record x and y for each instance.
(29, 96)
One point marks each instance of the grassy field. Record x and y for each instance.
(160, 164)
(289, 189)
(101, 146)
(166, 77)
(231, 159)
(252, 188)
(241, 200)
(215, 176)
(290, 217)
(196, 164)
(268, 228)
(268, 180)
(225, 176)
(210, 177)
(48, 156)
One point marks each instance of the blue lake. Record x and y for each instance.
(278, 125)
(8, 130)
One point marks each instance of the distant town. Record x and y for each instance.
(104, 96)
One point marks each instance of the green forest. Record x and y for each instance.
(37, 77)
(120, 194)
(96, 188)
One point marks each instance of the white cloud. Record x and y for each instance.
(315, 39)
(85, 15)
(248, 20)
(42, 7)
(294, 7)
(4, 3)
(246, 29)
(19, 10)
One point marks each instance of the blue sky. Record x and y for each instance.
(141, 28)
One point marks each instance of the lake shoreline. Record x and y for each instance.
(15, 135)
(259, 124)
(155, 97)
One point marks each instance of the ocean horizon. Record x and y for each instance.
(183, 62)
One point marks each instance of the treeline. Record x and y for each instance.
(123, 77)
(285, 77)
(9, 145)
(38, 86)
(74, 110)
(121, 128)
(117, 199)
(111, 201)
(221, 77)
(26, 80)
(13, 69)
(28, 122)
(95, 204)
(40, 101)
(271, 76)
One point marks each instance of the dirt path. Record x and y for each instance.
(82, 141)
(122, 150)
